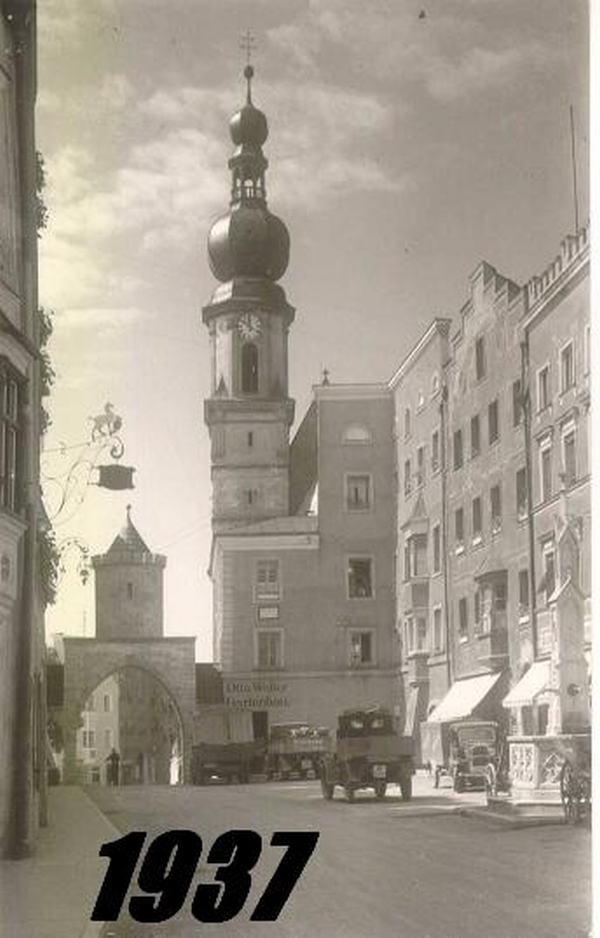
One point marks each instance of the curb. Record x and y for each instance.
(94, 929)
(511, 821)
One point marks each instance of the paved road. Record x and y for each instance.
(380, 869)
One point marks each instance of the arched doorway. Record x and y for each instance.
(149, 688)
(130, 732)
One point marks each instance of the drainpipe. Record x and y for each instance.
(444, 517)
(526, 408)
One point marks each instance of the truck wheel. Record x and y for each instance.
(349, 793)
(380, 790)
(327, 789)
(406, 787)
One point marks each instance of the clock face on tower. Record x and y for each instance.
(249, 326)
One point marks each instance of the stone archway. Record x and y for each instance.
(88, 662)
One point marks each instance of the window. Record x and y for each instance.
(517, 402)
(358, 492)
(407, 422)
(569, 458)
(249, 368)
(475, 436)
(463, 619)
(480, 358)
(477, 519)
(421, 633)
(106, 703)
(435, 451)
(250, 439)
(130, 591)
(549, 578)
(361, 650)
(588, 349)
(437, 555)
(438, 630)
(269, 648)
(435, 383)
(543, 387)
(523, 593)
(356, 434)
(415, 556)
(108, 738)
(546, 472)
(567, 368)
(458, 449)
(521, 490)
(493, 423)
(10, 440)
(360, 582)
(267, 580)
(89, 739)
(496, 508)
(421, 466)
(477, 618)
(459, 526)
(500, 597)
(89, 704)
(407, 478)
(251, 496)
(420, 401)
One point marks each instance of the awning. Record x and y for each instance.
(462, 698)
(533, 682)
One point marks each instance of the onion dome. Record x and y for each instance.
(249, 241)
(249, 125)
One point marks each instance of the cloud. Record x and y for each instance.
(104, 319)
(451, 53)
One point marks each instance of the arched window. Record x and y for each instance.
(356, 433)
(249, 368)
(407, 422)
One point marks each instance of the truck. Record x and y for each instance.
(295, 750)
(212, 762)
(368, 753)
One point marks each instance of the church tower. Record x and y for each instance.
(249, 412)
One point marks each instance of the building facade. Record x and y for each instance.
(22, 648)
(481, 509)
(303, 547)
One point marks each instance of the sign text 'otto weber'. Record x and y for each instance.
(257, 695)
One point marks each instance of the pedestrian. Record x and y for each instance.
(112, 773)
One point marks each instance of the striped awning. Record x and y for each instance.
(462, 698)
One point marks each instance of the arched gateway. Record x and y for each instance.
(129, 634)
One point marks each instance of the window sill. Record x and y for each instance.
(459, 550)
(477, 540)
(463, 639)
(493, 443)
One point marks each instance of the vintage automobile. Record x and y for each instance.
(368, 754)
(473, 756)
(226, 762)
(295, 750)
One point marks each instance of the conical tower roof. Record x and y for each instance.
(128, 540)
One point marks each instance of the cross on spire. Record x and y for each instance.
(248, 44)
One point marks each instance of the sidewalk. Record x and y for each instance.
(51, 895)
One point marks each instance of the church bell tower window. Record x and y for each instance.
(249, 369)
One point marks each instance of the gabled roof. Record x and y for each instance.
(128, 540)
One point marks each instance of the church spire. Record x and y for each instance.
(249, 241)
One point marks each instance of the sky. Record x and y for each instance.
(403, 150)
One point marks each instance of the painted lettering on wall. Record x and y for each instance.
(256, 695)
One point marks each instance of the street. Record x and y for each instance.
(411, 870)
